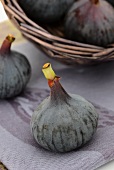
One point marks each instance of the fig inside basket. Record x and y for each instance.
(50, 38)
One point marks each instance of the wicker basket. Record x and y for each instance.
(51, 39)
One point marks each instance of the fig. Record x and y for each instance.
(45, 11)
(111, 2)
(91, 22)
(15, 70)
(63, 121)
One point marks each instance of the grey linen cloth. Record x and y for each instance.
(18, 149)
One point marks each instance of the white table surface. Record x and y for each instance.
(108, 166)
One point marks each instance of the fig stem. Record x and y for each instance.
(49, 74)
(6, 45)
(48, 71)
(95, 1)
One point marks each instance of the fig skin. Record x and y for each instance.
(111, 2)
(15, 74)
(90, 23)
(15, 70)
(45, 11)
(67, 129)
(63, 122)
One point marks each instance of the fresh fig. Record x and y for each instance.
(91, 22)
(45, 11)
(63, 121)
(111, 2)
(15, 70)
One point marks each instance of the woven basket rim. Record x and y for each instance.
(55, 46)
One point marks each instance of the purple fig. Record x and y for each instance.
(91, 22)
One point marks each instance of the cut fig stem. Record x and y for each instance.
(94, 1)
(49, 74)
(6, 45)
(57, 91)
(48, 71)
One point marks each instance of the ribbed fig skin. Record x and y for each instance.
(90, 23)
(15, 72)
(64, 125)
(45, 11)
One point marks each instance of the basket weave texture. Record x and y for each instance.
(51, 39)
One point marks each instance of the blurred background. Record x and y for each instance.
(3, 16)
(7, 27)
